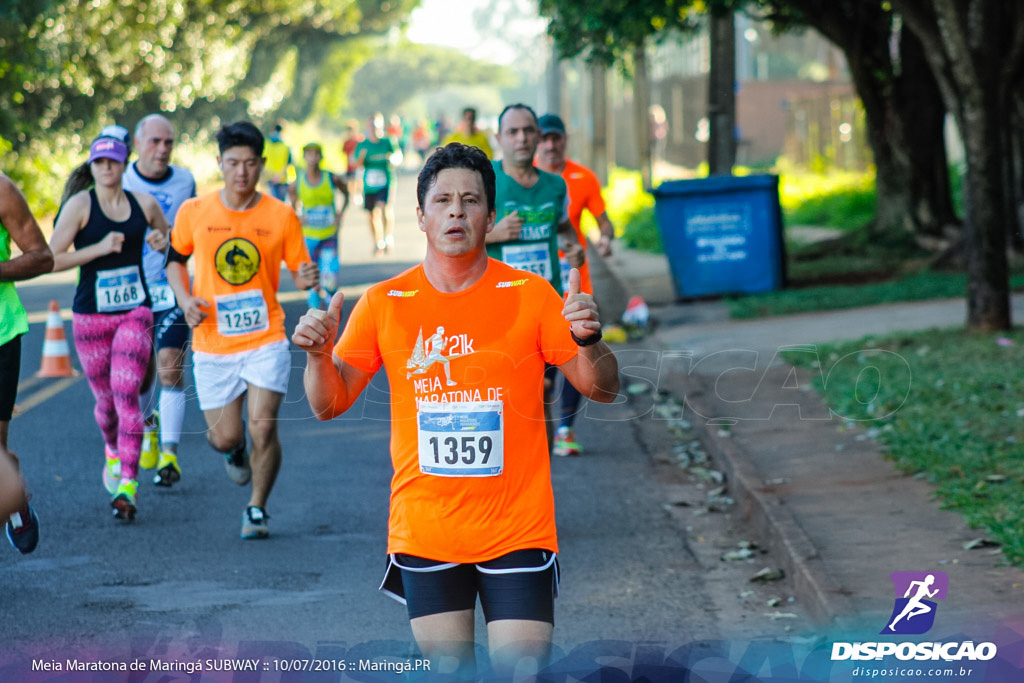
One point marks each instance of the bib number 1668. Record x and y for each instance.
(121, 295)
(453, 450)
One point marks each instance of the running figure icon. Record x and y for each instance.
(915, 607)
(425, 355)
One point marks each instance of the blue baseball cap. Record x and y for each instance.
(551, 123)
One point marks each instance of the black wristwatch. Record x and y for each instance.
(589, 341)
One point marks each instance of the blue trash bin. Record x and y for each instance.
(722, 235)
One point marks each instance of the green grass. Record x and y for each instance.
(631, 211)
(840, 200)
(858, 269)
(945, 408)
(913, 287)
(835, 200)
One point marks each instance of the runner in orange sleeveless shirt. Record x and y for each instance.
(464, 339)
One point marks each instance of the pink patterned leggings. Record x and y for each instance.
(114, 351)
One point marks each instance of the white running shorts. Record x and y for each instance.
(221, 378)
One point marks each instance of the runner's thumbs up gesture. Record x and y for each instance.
(580, 309)
(317, 329)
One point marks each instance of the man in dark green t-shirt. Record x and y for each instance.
(531, 213)
(377, 154)
(531, 205)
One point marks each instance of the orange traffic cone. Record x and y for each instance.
(56, 355)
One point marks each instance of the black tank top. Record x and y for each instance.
(112, 283)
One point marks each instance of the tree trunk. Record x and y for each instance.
(988, 291)
(1015, 173)
(973, 46)
(553, 84)
(722, 95)
(905, 115)
(641, 106)
(599, 101)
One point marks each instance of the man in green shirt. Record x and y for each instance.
(377, 154)
(531, 213)
(17, 224)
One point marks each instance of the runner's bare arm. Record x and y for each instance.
(157, 238)
(293, 195)
(568, 243)
(332, 385)
(342, 187)
(72, 219)
(507, 229)
(604, 245)
(594, 370)
(177, 278)
(307, 276)
(36, 258)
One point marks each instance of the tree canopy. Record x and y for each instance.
(607, 31)
(400, 72)
(66, 65)
(974, 51)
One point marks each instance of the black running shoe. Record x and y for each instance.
(23, 530)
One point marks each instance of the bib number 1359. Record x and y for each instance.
(461, 439)
(468, 450)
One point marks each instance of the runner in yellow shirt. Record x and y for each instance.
(468, 134)
(313, 194)
(278, 160)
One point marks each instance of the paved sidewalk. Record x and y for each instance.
(821, 495)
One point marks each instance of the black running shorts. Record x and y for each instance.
(170, 331)
(10, 368)
(372, 199)
(520, 585)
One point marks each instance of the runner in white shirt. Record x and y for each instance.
(171, 185)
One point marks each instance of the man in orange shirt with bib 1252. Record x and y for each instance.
(239, 238)
(464, 339)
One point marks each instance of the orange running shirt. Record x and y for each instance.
(584, 193)
(238, 257)
(494, 339)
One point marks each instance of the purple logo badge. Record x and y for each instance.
(916, 592)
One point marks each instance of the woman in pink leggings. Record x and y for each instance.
(112, 315)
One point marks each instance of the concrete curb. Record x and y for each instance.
(818, 591)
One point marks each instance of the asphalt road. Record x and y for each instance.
(179, 586)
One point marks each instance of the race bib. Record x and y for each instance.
(535, 258)
(461, 439)
(375, 178)
(162, 297)
(119, 289)
(318, 216)
(563, 270)
(242, 313)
